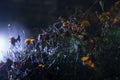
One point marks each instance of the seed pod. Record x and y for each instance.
(13, 40)
(91, 44)
(46, 36)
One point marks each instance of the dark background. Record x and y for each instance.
(33, 13)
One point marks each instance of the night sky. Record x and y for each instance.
(39, 12)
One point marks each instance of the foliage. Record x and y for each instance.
(77, 48)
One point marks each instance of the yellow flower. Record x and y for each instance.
(104, 16)
(85, 23)
(92, 65)
(87, 61)
(65, 24)
(27, 41)
(85, 58)
(41, 65)
(117, 5)
(32, 40)
(116, 20)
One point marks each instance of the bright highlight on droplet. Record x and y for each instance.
(3, 43)
(7, 30)
(9, 25)
(3, 47)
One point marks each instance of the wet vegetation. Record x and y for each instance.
(84, 46)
